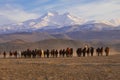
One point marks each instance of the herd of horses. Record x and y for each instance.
(68, 52)
(90, 51)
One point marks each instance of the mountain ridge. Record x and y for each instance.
(54, 20)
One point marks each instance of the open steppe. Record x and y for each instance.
(75, 68)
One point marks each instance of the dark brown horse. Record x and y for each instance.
(101, 51)
(15, 54)
(4, 54)
(53, 53)
(10, 54)
(69, 52)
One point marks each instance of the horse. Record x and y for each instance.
(67, 52)
(44, 53)
(15, 54)
(47, 53)
(4, 54)
(33, 53)
(101, 51)
(56, 53)
(60, 53)
(53, 53)
(91, 51)
(84, 51)
(79, 52)
(71, 52)
(98, 51)
(39, 53)
(23, 54)
(88, 51)
(10, 53)
(63, 52)
(107, 51)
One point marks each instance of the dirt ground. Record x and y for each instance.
(75, 68)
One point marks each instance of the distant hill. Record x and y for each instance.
(25, 36)
(105, 35)
(20, 45)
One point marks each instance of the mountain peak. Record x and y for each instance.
(56, 20)
(51, 13)
(115, 22)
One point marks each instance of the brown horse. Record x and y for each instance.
(4, 54)
(39, 53)
(107, 51)
(69, 52)
(101, 51)
(15, 54)
(53, 53)
(10, 54)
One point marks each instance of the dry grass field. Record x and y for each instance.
(75, 68)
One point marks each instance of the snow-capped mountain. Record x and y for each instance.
(112, 22)
(66, 22)
(54, 20)
(115, 22)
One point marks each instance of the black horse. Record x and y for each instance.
(79, 52)
(92, 51)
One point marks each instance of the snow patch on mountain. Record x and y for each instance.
(115, 22)
(112, 22)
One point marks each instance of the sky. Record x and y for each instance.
(21, 10)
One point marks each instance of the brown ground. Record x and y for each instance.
(88, 68)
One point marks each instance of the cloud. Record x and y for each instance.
(96, 10)
(5, 20)
(15, 13)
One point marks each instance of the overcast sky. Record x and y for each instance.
(21, 10)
